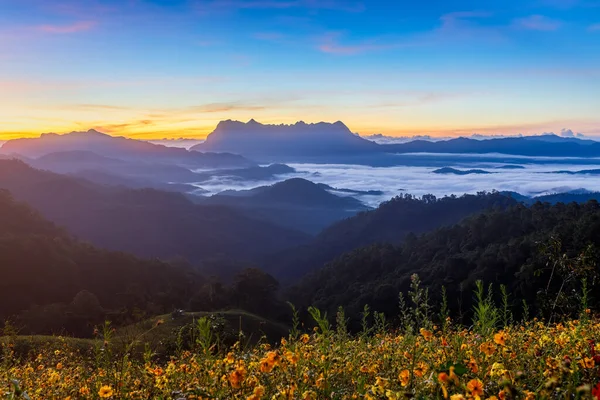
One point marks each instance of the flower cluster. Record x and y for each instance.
(533, 361)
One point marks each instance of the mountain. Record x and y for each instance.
(522, 146)
(145, 222)
(257, 173)
(448, 170)
(498, 246)
(74, 162)
(121, 148)
(296, 203)
(391, 222)
(283, 142)
(108, 179)
(335, 143)
(41, 265)
(582, 172)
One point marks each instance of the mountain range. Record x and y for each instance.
(310, 142)
(121, 148)
(145, 222)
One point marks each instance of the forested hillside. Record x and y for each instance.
(390, 223)
(511, 247)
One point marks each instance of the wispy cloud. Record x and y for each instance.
(453, 26)
(330, 43)
(537, 23)
(235, 5)
(80, 26)
(594, 28)
(270, 36)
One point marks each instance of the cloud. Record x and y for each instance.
(453, 26)
(236, 5)
(415, 176)
(269, 36)
(594, 28)
(568, 133)
(75, 27)
(537, 23)
(330, 44)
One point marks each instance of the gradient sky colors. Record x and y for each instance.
(154, 69)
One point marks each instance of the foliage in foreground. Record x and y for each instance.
(530, 361)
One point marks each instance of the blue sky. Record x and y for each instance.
(175, 68)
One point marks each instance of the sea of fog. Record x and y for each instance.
(535, 179)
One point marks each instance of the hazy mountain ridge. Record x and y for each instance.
(309, 141)
(144, 222)
(119, 147)
(295, 202)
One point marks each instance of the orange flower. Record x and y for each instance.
(236, 377)
(487, 348)
(404, 377)
(472, 364)
(428, 335)
(443, 378)
(475, 388)
(500, 338)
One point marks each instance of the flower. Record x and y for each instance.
(475, 388)
(500, 338)
(105, 392)
(487, 349)
(404, 377)
(428, 335)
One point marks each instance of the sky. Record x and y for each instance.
(154, 69)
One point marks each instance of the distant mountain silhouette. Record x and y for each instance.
(522, 146)
(280, 142)
(108, 179)
(510, 166)
(257, 173)
(448, 170)
(296, 203)
(325, 142)
(582, 172)
(74, 162)
(146, 222)
(119, 147)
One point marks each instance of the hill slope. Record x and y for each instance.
(296, 203)
(144, 222)
(390, 223)
(497, 246)
(41, 264)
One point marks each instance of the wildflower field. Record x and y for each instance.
(532, 360)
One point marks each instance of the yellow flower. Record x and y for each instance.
(105, 392)
(457, 397)
(309, 395)
(305, 338)
(404, 377)
(84, 390)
